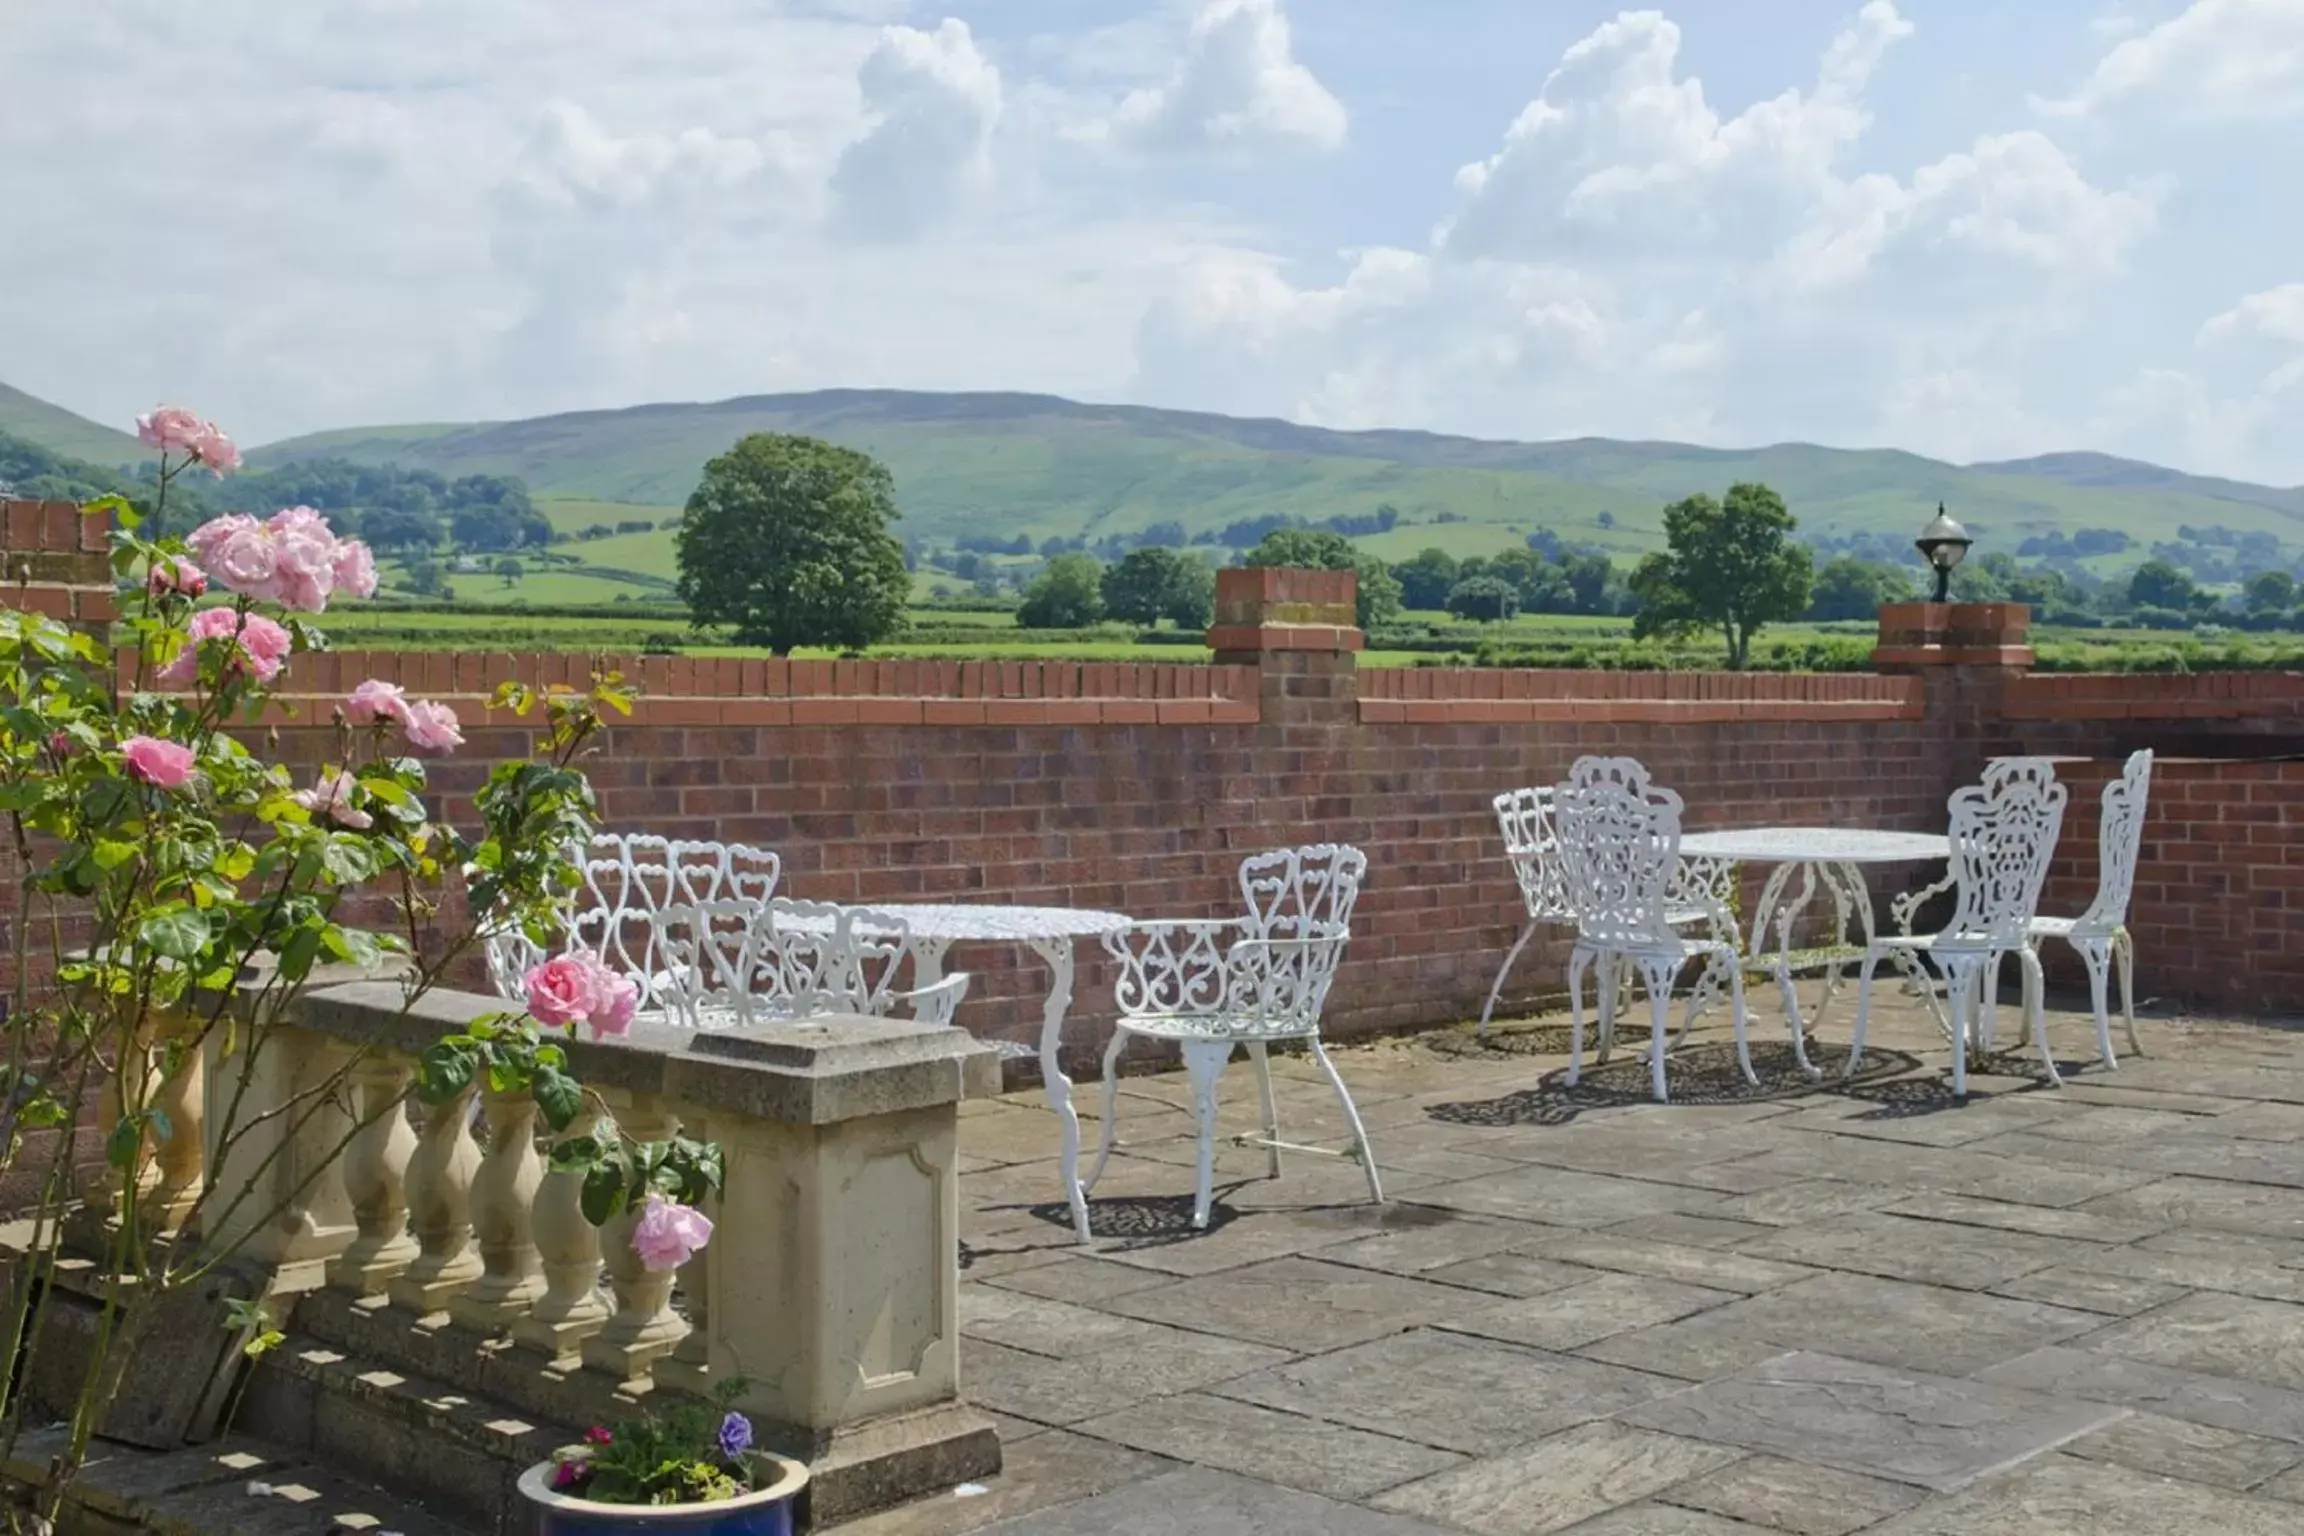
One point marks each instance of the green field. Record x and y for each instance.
(1009, 464)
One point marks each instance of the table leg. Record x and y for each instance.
(1772, 909)
(928, 963)
(1053, 1082)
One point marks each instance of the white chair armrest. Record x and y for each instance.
(935, 1004)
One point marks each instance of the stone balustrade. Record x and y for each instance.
(436, 1238)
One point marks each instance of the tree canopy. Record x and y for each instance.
(1730, 566)
(1155, 583)
(786, 542)
(1310, 549)
(1483, 597)
(1849, 588)
(1067, 594)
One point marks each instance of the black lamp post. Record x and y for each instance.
(1943, 544)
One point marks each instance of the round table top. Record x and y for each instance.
(1816, 845)
(959, 922)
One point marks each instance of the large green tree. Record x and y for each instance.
(1153, 583)
(1849, 588)
(1730, 566)
(1312, 549)
(786, 542)
(1067, 594)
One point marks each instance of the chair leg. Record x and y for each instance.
(1962, 997)
(1579, 961)
(2097, 954)
(1986, 1019)
(1657, 975)
(1496, 988)
(2124, 950)
(1737, 1020)
(1204, 1063)
(1615, 979)
(1863, 1010)
(1109, 1136)
(1367, 1153)
(2035, 985)
(1263, 1066)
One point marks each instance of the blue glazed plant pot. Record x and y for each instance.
(766, 1511)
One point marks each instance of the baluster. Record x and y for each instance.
(690, 1363)
(571, 1308)
(440, 1177)
(503, 1215)
(180, 1094)
(645, 1328)
(278, 1190)
(376, 1177)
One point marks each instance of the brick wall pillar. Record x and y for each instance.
(1965, 655)
(53, 561)
(1301, 631)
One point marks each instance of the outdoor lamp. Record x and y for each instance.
(1944, 544)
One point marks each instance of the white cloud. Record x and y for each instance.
(2228, 59)
(1630, 262)
(934, 100)
(1237, 89)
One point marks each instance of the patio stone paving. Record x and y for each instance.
(1811, 1307)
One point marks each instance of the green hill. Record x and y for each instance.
(1007, 464)
(59, 431)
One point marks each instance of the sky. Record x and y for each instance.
(1972, 230)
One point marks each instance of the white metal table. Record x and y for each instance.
(1830, 861)
(1049, 932)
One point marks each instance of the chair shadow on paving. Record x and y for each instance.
(1699, 1074)
(1134, 1221)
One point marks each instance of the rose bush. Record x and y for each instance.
(178, 890)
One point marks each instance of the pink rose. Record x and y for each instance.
(331, 798)
(616, 997)
(355, 568)
(243, 553)
(668, 1234)
(214, 450)
(376, 700)
(431, 727)
(60, 745)
(304, 558)
(171, 426)
(175, 573)
(562, 990)
(162, 764)
(262, 647)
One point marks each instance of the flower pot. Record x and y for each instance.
(766, 1511)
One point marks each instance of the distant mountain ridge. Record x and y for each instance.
(1006, 463)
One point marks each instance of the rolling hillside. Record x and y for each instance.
(1034, 464)
(1004, 464)
(59, 431)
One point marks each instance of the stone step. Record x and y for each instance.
(240, 1486)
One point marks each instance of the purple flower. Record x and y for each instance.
(735, 1435)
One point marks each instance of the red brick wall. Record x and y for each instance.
(2218, 912)
(1140, 787)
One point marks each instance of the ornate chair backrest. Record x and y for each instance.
(755, 961)
(629, 878)
(1291, 891)
(1619, 849)
(1525, 816)
(2119, 836)
(1279, 984)
(2003, 836)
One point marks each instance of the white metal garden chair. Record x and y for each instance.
(627, 879)
(2004, 834)
(735, 963)
(2100, 933)
(1251, 981)
(1702, 889)
(1620, 856)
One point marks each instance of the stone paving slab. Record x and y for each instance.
(1933, 1431)
(1465, 1394)
(1800, 1308)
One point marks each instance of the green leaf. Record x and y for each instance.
(445, 1071)
(347, 859)
(603, 1193)
(126, 1141)
(558, 1096)
(180, 933)
(577, 1154)
(298, 953)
